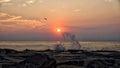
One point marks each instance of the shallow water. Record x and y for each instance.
(42, 45)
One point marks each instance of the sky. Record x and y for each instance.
(31, 20)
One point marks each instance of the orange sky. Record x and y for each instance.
(87, 18)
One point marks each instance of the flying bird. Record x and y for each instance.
(45, 18)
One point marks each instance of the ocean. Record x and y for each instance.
(43, 45)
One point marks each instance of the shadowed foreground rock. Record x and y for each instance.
(57, 59)
(35, 61)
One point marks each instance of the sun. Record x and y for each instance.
(58, 30)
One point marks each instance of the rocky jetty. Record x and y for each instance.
(59, 59)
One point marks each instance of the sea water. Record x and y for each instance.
(43, 45)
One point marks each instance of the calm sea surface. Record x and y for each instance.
(42, 45)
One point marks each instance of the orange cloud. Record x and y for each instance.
(18, 22)
(1, 1)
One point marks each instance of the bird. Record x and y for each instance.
(45, 18)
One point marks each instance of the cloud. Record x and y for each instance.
(108, 0)
(77, 10)
(6, 19)
(4, 16)
(8, 23)
(20, 3)
(3, 1)
(30, 2)
(15, 17)
(12, 23)
(27, 3)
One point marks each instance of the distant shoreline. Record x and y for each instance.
(51, 41)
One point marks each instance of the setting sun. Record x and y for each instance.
(58, 30)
